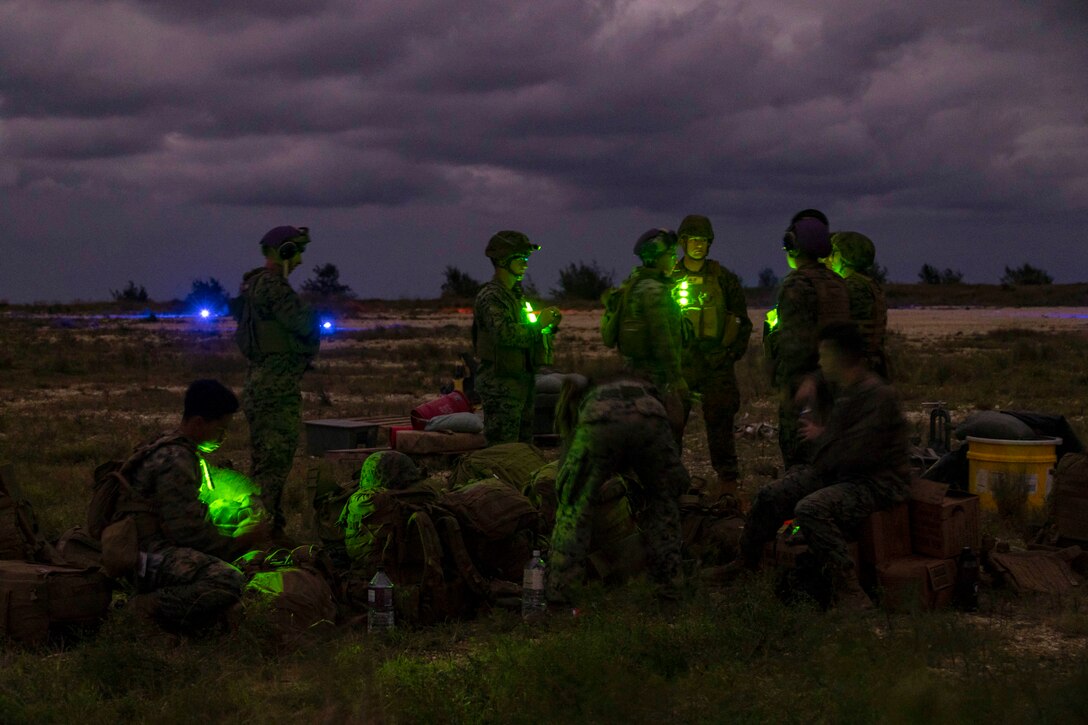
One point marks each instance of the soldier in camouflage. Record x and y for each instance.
(712, 300)
(852, 258)
(187, 581)
(860, 464)
(511, 341)
(383, 471)
(651, 331)
(279, 335)
(619, 427)
(809, 297)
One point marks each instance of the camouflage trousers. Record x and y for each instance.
(272, 401)
(795, 449)
(509, 406)
(629, 443)
(721, 400)
(826, 514)
(193, 588)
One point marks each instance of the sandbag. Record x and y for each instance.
(512, 463)
(995, 425)
(35, 598)
(456, 423)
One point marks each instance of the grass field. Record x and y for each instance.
(78, 389)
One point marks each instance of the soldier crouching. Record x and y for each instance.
(616, 428)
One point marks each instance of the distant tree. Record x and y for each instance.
(326, 283)
(582, 282)
(1026, 274)
(767, 279)
(879, 273)
(208, 294)
(131, 293)
(930, 275)
(459, 285)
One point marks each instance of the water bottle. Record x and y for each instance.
(967, 581)
(379, 598)
(533, 604)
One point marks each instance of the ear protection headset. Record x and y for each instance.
(789, 239)
(290, 248)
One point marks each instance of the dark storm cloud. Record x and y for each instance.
(490, 109)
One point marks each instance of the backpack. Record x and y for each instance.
(421, 549)
(614, 300)
(37, 598)
(511, 463)
(112, 497)
(299, 590)
(499, 526)
(20, 537)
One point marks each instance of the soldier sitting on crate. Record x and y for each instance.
(184, 577)
(861, 464)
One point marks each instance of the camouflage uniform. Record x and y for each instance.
(193, 581)
(510, 349)
(869, 310)
(860, 465)
(622, 426)
(287, 338)
(721, 332)
(809, 297)
(383, 471)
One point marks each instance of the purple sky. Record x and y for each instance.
(157, 140)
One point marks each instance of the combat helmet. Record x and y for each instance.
(391, 470)
(653, 243)
(509, 243)
(695, 225)
(856, 249)
(286, 240)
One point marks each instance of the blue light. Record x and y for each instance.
(326, 326)
(205, 313)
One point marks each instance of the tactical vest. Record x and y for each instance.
(874, 327)
(259, 335)
(506, 359)
(634, 333)
(832, 297)
(705, 307)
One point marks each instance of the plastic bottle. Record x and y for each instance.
(967, 581)
(379, 598)
(533, 603)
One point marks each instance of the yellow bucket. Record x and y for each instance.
(1006, 475)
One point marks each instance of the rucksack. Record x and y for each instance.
(20, 537)
(112, 497)
(299, 590)
(36, 598)
(420, 547)
(614, 300)
(512, 463)
(499, 526)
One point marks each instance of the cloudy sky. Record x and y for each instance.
(157, 140)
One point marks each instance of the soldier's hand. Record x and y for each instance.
(810, 430)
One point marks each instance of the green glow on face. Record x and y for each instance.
(228, 496)
(772, 318)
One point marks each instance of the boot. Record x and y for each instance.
(849, 596)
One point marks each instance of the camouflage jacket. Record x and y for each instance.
(866, 438)
(869, 309)
(723, 301)
(650, 301)
(501, 333)
(809, 297)
(169, 478)
(281, 323)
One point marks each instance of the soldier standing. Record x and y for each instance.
(279, 335)
(511, 341)
(852, 258)
(712, 299)
(808, 298)
(616, 428)
(651, 330)
(186, 580)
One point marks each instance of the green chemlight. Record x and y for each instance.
(529, 312)
(772, 318)
(229, 497)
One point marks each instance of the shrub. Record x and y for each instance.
(459, 285)
(326, 283)
(930, 275)
(767, 279)
(1025, 274)
(131, 293)
(208, 294)
(582, 282)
